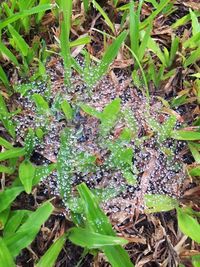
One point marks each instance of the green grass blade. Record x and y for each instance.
(86, 4)
(6, 258)
(41, 104)
(49, 258)
(185, 135)
(195, 56)
(195, 23)
(26, 175)
(5, 143)
(104, 15)
(66, 11)
(134, 29)
(21, 44)
(188, 225)
(94, 240)
(4, 78)
(24, 13)
(15, 220)
(67, 110)
(8, 195)
(159, 203)
(98, 222)
(150, 18)
(5, 117)
(110, 54)
(27, 232)
(5, 51)
(12, 153)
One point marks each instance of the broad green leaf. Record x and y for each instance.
(8, 195)
(94, 240)
(12, 153)
(26, 175)
(188, 225)
(159, 203)
(185, 135)
(6, 259)
(50, 256)
(27, 231)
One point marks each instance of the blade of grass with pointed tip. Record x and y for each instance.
(27, 232)
(16, 218)
(50, 256)
(104, 15)
(110, 54)
(4, 78)
(26, 175)
(66, 11)
(159, 203)
(8, 195)
(12, 153)
(94, 240)
(150, 18)
(5, 143)
(24, 13)
(185, 135)
(6, 259)
(193, 58)
(98, 222)
(5, 51)
(5, 117)
(21, 44)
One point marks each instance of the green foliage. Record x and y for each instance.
(26, 233)
(96, 221)
(50, 256)
(94, 240)
(6, 258)
(5, 117)
(26, 175)
(66, 12)
(188, 225)
(8, 195)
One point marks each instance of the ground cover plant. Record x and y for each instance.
(99, 133)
